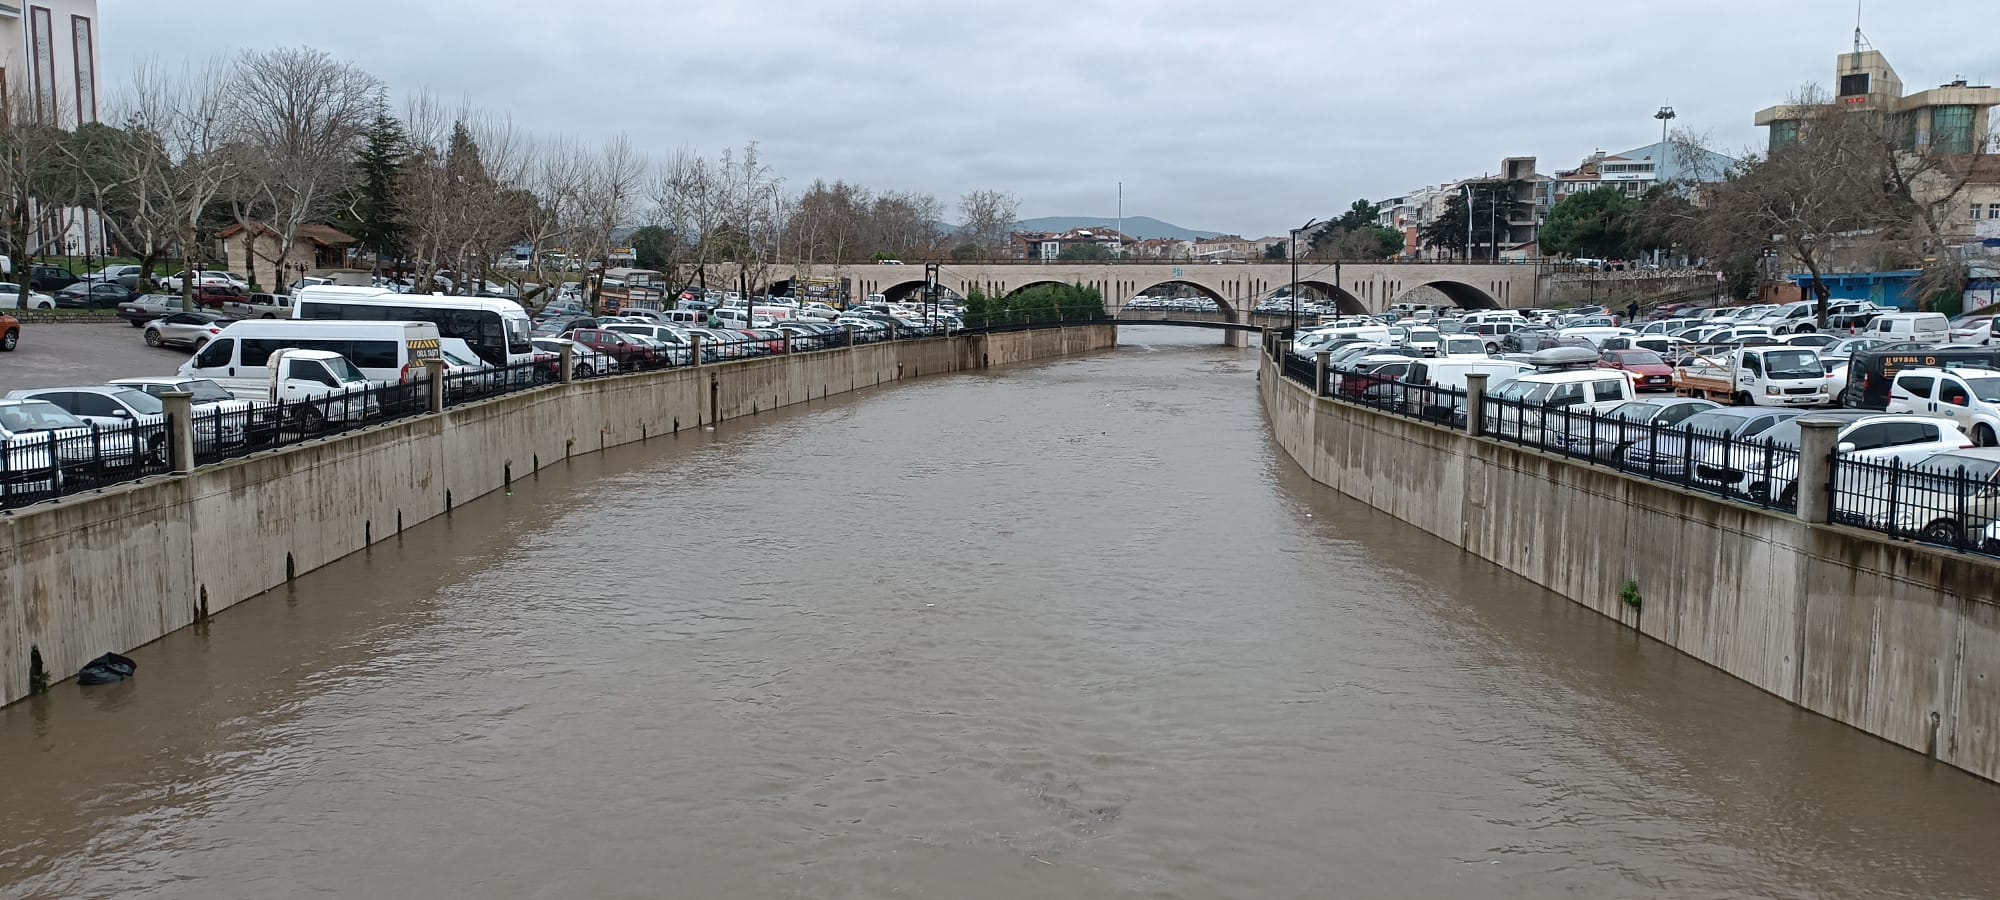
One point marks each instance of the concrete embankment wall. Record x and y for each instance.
(112, 571)
(1898, 640)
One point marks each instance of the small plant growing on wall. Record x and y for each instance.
(1630, 594)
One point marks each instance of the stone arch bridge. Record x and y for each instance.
(1236, 288)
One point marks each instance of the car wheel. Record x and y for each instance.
(199, 344)
(1492, 348)
(309, 419)
(1804, 329)
(584, 370)
(1982, 436)
(156, 450)
(153, 337)
(1790, 497)
(269, 316)
(10, 340)
(137, 324)
(1942, 531)
(1743, 398)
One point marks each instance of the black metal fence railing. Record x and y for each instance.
(43, 465)
(480, 384)
(1748, 470)
(231, 429)
(1303, 371)
(337, 412)
(1953, 506)
(38, 466)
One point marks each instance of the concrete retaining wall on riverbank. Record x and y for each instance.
(114, 570)
(1899, 640)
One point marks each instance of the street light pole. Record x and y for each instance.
(1295, 274)
(1665, 115)
(1468, 221)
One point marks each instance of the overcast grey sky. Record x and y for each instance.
(1245, 117)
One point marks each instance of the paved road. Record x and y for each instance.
(62, 355)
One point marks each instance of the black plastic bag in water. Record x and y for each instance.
(107, 669)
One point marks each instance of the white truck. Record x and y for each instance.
(311, 388)
(1783, 376)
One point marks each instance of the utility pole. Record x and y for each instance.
(1665, 115)
(1295, 274)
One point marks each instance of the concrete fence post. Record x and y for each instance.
(180, 429)
(694, 350)
(434, 372)
(1319, 372)
(1817, 438)
(1475, 403)
(566, 363)
(787, 350)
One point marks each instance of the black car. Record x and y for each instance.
(49, 279)
(86, 295)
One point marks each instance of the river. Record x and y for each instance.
(1074, 630)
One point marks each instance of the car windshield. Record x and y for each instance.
(206, 391)
(1523, 391)
(1633, 412)
(345, 370)
(1713, 423)
(1975, 468)
(39, 415)
(1640, 358)
(1793, 364)
(141, 402)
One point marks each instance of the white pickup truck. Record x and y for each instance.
(1756, 376)
(314, 387)
(260, 306)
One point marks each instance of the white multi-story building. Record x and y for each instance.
(49, 74)
(50, 59)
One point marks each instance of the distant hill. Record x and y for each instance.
(1141, 227)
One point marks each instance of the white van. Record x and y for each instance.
(1450, 373)
(1968, 396)
(1365, 329)
(383, 351)
(1927, 328)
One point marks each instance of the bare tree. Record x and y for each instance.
(297, 115)
(987, 217)
(1847, 189)
(555, 173)
(613, 180)
(183, 160)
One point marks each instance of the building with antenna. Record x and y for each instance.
(1952, 119)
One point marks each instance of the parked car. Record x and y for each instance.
(114, 408)
(50, 279)
(1968, 396)
(1628, 423)
(1670, 455)
(92, 295)
(185, 329)
(125, 276)
(10, 298)
(142, 309)
(584, 362)
(215, 277)
(10, 332)
(39, 443)
(1649, 372)
(1950, 498)
(629, 353)
(1923, 327)
(1749, 470)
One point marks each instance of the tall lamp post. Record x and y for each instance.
(1295, 273)
(1665, 115)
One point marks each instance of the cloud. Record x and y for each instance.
(1235, 117)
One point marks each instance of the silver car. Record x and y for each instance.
(185, 329)
(134, 416)
(40, 444)
(218, 415)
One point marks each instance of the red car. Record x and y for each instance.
(615, 344)
(10, 331)
(1649, 372)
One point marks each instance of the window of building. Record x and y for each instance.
(1977, 212)
(1854, 84)
(1993, 211)
(1951, 129)
(1783, 133)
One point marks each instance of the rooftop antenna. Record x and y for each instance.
(1859, 41)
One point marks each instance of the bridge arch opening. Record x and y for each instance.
(903, 291)
(1328, 292)
(1462, 295)
(1180, 297)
